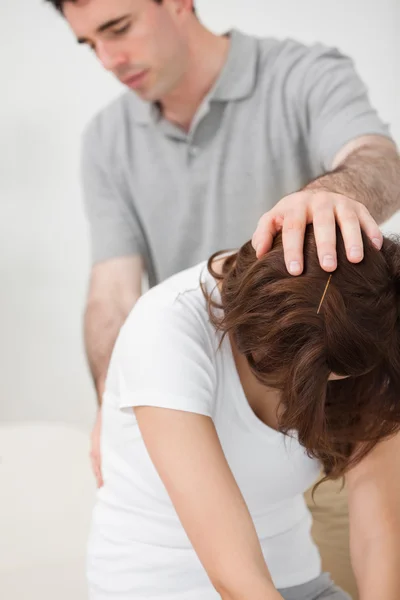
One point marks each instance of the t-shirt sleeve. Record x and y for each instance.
(335, 104)
(164, 358)
(114, 227)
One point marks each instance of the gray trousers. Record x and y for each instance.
(321, 588)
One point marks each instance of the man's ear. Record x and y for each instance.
(180, 6)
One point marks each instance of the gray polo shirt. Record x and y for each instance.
(274, 120)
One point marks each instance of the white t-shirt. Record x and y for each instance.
(167, 355)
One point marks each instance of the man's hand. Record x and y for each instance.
(95, 456)
(322, 208)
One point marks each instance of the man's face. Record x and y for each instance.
(141, 42)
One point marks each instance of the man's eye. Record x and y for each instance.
(122, 30)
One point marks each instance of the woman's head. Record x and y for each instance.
(300, 346)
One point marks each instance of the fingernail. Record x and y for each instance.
(294, 267)
(355, 252)
(377, 243)
(328, 261)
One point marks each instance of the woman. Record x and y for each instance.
(230, 387)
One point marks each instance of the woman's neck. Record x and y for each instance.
(263, 400)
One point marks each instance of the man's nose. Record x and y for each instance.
(111, 58)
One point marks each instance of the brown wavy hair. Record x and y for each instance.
(273, 319)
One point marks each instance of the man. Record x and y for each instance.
(213, 132)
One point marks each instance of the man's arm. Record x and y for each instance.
(349, 150)
(374, 509)
(117, 243)
(367, 170)
(115, 286)
(365, 177)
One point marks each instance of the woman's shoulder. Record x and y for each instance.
(178, 303)
(171, 320)
(165, 354)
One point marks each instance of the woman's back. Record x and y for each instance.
(168, 356)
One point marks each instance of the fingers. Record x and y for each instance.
(370, 226)
(95, 454)
(352, 218)
(268, 226)
(323, 217)
(323, 209)
(348, 221)
(294, 226)
(96, 468)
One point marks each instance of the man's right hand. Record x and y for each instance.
(95, 456)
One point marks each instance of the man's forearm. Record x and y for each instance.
(370, 175)
(102, 324)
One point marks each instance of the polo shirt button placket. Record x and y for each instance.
(193, 151)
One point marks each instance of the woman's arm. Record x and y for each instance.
(187, 454)
(374, 508)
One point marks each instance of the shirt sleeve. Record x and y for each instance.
(164, 358)
(335, 104)
(115, 229)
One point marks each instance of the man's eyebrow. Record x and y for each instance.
(105, 26)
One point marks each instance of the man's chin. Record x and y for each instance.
(144, 95)
(149, 95)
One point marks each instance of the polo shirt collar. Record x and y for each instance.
(238, 76)
(235, 82)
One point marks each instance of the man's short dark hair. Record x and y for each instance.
(58, 4)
